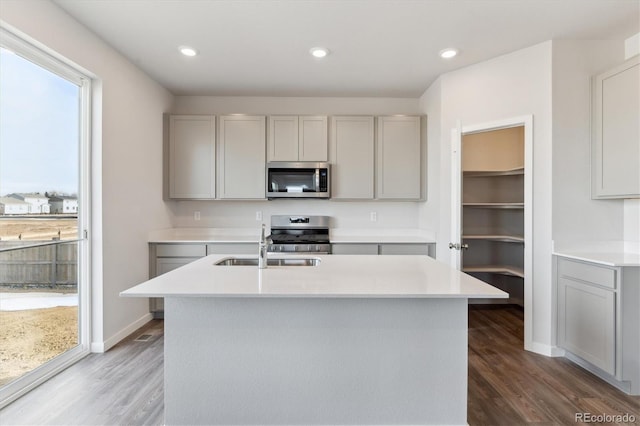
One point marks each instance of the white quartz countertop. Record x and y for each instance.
(250, 235)
(609, 253)
(362, 276)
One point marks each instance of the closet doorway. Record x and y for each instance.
(492, 208)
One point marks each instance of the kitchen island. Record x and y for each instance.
(346, 340)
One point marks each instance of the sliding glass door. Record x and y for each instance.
(44, 211)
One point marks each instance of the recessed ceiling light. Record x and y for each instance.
(448, 53)
(319, 52)
(188, 51)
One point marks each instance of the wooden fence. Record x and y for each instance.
(47, 266)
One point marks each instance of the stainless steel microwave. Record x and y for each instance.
(298, 180)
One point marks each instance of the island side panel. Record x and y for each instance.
(315, 361)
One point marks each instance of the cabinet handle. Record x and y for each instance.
(458, 246)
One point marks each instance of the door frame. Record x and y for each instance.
(49, 60)
(456, 202)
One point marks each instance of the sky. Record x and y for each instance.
(39, 125)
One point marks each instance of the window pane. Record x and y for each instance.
(38, 129)
(39, 181)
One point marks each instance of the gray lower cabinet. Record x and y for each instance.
(598, 320)
(167, 257)
(427, 249)
(587, 322)
(347, 248)
(233, 248)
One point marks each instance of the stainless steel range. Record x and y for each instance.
(300, 234)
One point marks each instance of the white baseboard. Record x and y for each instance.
(544, 349)
(100, 347)
(624, 386)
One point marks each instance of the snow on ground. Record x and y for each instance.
(35, 300)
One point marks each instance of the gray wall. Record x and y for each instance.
(576, 217)
(126, 162)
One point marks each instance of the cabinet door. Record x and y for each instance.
(352, 157)
(399, 158)
(616, 137)
(192, 159)
(242, 157)
(283, 138)
(312, 138)
(586, 322)
(164, 265)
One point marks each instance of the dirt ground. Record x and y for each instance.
(31, 337)
(14, 229)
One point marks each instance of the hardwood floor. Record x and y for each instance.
(123, 386)
(507, 386)
(510, 386)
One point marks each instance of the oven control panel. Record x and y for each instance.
(300, 248)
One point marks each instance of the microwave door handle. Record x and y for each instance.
(317, 180)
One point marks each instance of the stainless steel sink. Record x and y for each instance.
(272, 261)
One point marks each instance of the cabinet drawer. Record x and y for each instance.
(594, 274)
(354, 248)
(406, 249)
(233, 248)
(181, 250)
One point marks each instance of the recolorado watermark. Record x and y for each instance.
(604, 418)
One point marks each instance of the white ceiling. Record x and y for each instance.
(379, 48)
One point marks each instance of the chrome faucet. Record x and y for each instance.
(262, 249)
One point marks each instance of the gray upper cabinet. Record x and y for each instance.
(191, 157)
(297, 138)
(400, 158)
(616, 132)
(241, 143)
(352, 157)
(205, 161)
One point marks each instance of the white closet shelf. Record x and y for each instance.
(496, 269)
(495, 237)
(487, 173)
(494, 205)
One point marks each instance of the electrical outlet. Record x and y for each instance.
(196, 215)
(259, 216)
(374, 217)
